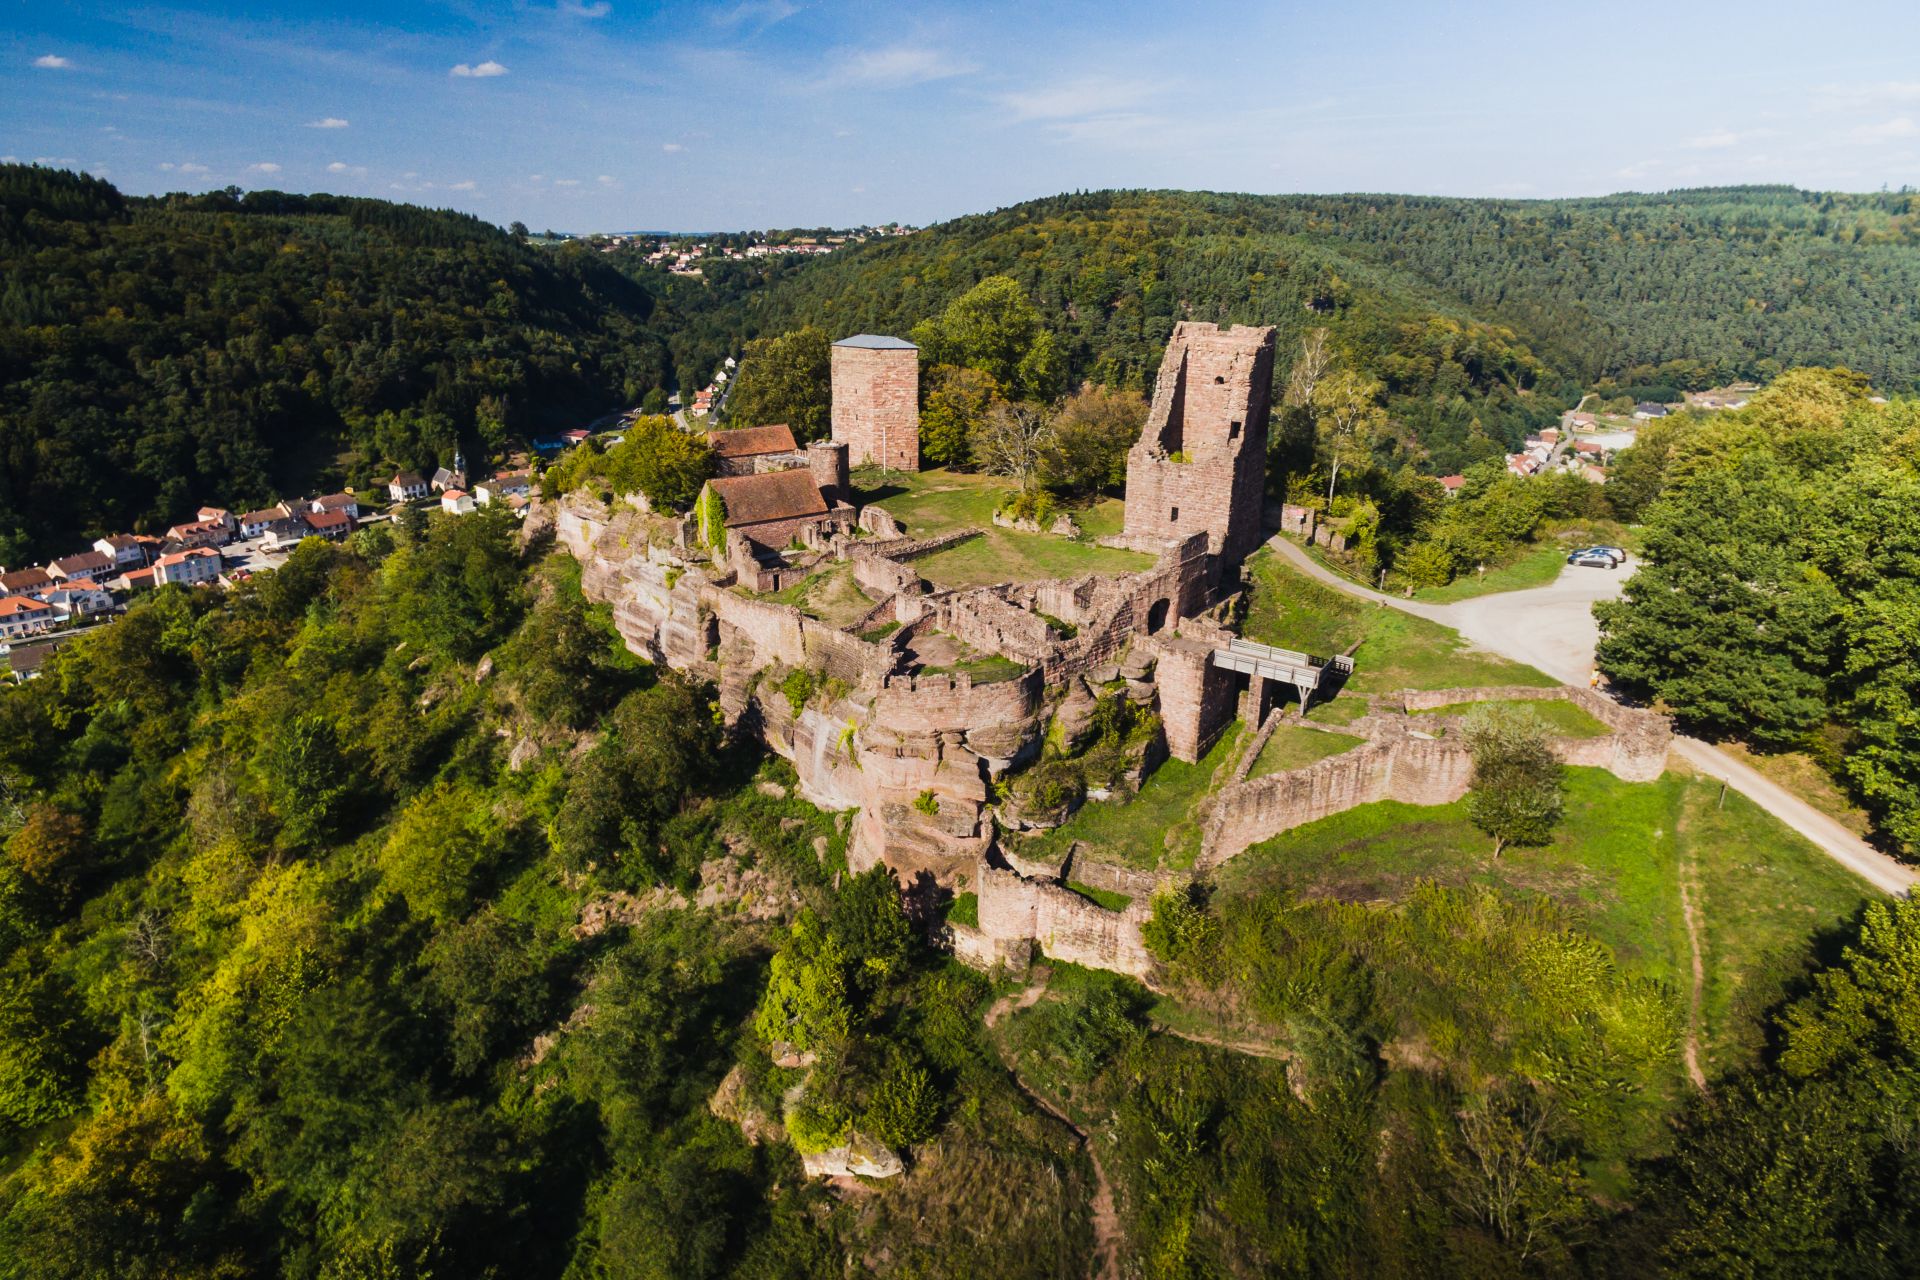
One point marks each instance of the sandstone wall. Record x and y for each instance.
(1063, 924)
(1636, 751)
(1197, 699)
(876, 405)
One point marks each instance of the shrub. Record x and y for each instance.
(799, 687)
(928, 803)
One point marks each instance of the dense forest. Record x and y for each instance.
(160, 353)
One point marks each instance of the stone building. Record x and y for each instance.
(769, 509)
(1200, 463)
(876, 400)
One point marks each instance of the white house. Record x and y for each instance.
(20, 616)
(125, 549)
(80, 598)
(255, 523)
(345, 503)
(456, 502)
(190, 567)
(406, 486)
(88, 564)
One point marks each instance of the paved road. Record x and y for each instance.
(1552, 628)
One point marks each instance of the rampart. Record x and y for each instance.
(1063, 924)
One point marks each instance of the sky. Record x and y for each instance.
(608, 115)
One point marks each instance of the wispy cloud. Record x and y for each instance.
(894, 67)
(341, 166)
(606, 180)
(479, 70)
(467, 184)
(327, 122)
(265, 166)
(566, 182)
(1085, 96)
(1721, 139)
(759, 14)
(672, 148)
(52, 62)
(580, 9)
(170, 167)
(1898, 128)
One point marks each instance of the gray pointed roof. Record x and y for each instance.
(876, 342)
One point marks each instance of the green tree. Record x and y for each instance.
(786, 378)
(1086, 450)
(1516, 794)
(1349, 419)
(958, 402)
(995, 328)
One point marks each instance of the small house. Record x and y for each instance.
(445, 478)
(406, 486)
(215, 514)
(456, 502)
(254, 524)
(201, 533)
(1647, 409)
(1453, 485)
(334, 526)
(21, 616)
(25, 582)
(85, 565)
(345, 503)
(80, 598)
(126, 550)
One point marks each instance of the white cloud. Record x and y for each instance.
(894, 67)
(1888, 130)
(605, 180)
(672, 148)
(1719, 140)
(52, 62)
(189, 167)
(480, 70)
(598, 9)
(328, 122)
(338, 166)
(341, 166)
(468, 185)
(9, 159)
(566, 182)
(265, 166)
(755, 13)
(1086, 96)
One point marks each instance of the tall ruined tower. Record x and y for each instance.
(876, 400)
(1201, 462)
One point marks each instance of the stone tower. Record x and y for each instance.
(1201, 462)
(876, 400)
(827, 459)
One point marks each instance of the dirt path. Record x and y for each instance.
(1691, 1050)
(1106, 1217)
(1252, 1048)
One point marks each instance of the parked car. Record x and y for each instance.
(1619, 554)
(1591, 559)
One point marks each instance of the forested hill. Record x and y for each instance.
(160, 353)
(1689, 288)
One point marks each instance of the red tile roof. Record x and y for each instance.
(15, 604)
(777, 495)
(25, 580)
(748, 442)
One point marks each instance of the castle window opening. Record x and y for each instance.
(1219, 379)
(1156, 616)
(1233, 431)
(1174, 516)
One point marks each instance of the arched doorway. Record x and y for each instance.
(1157, 616)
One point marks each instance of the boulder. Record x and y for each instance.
(859, 1157)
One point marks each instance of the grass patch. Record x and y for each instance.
(929, 503)
(964, 909)
(1615, 862)
(1102, 897)
(831, 595)
(1536, 568)
(1561, 718)
(1344, 709)
(988, 668)
(1155, 827)
(1397, 650)
(1292, 747)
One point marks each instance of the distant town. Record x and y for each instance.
(683, 254)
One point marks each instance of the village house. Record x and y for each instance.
(1647, 410)
(201, 533)
(87, 564)
(188, 568)
(747, 451)
(504, 485)
(445, 478)
(221, 514)
(456, 502)
(334, 526)
(406, 486)
(255, 524)
(126, 550)
(1453, 485)
(25, 582)
(342, 502)
(80, 598)
(20, 616)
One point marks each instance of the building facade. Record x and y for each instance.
(876, 401)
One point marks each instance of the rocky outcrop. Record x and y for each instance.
(858, 1157)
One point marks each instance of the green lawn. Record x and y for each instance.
(1292, 747)
(830, 595)
(1152, 829)
(929, 503)
(1397, 650)
(1616, 862)
(1105, 897)
(988, 668)
(1536, 568)
(1345, 708)
(1560, 718)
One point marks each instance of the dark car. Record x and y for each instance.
(1592, 560)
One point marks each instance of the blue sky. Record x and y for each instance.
(610, 114)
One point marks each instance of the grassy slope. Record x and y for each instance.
(1397, 650)
(1154, 828)
(1292, 747)
(1561, 718)
(1616, 861)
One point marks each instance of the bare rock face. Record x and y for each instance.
(1076, 714)
(729, 1103)
(860, 1157)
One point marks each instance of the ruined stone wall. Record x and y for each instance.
(780, 633)
(932, 704)
(1200, 462)
(1636, 750)
(878, 576)
(1063, 924)
(876, 405)
(985, 621)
